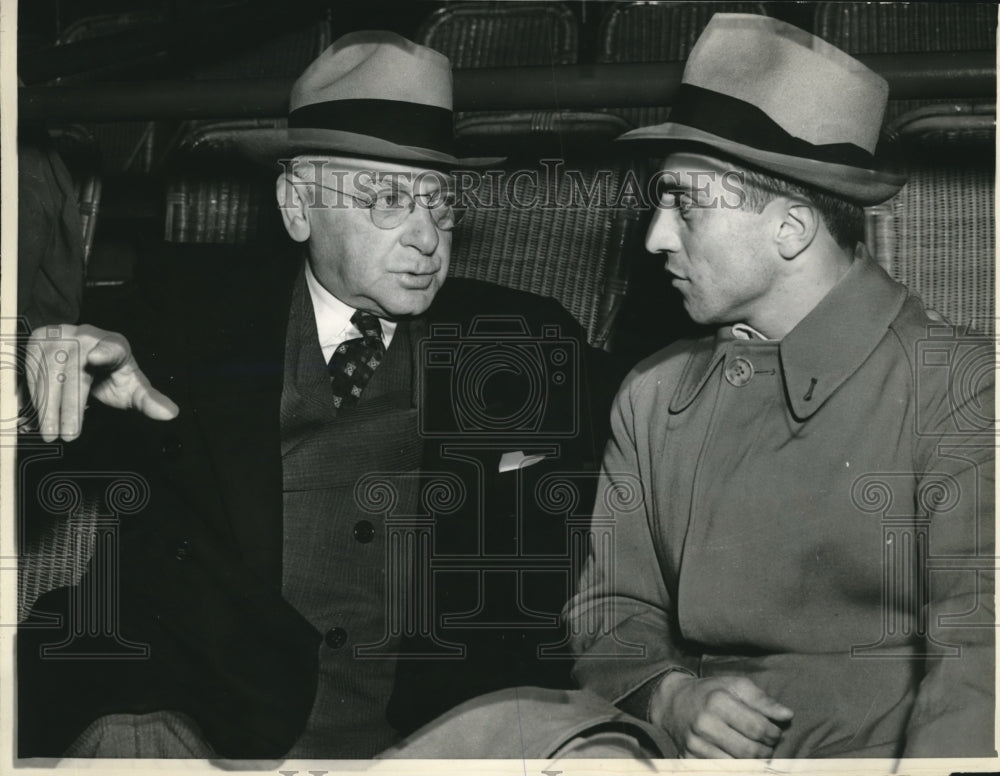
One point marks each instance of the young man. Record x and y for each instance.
(793, 551)
(809, 573)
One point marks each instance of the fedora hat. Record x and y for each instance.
(764, 92)
(370, 94)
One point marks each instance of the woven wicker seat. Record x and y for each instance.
(214, 195)
(908, 28)
(897, 28)
(125, 145)
(541, 132)
(285, 55)
(561, 252)
(657, 32)
(938, 234)
(571, 254)
(73, 526)
(55, 554)
(514, 34)
(101, 25)
(539, 233)
(502, 34)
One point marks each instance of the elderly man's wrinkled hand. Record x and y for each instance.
(718, 717)
(83, 361)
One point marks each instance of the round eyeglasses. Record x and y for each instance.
(391, 207)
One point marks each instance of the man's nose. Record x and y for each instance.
(420, 231)
(662, 236)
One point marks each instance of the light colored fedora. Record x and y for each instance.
(371, 94)
(763, 92)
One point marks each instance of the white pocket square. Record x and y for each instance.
(517, 460)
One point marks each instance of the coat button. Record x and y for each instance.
(364, 531)
(184, 551)
(335, 638)
(739, 372)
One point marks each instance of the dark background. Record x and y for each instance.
(184, 39)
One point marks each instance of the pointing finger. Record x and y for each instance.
(31, 381)
(70, 400)
(74, 403)
(153, 404)
(108, 353)
(50, 411)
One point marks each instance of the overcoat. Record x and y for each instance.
(199, 565)
(816, 514)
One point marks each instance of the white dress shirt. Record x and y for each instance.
(333, 318)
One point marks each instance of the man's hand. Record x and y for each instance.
(722, 716)
(62, 371)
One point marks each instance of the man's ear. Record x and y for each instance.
(797, 229)
(294, 212)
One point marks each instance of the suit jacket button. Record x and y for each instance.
(184, 550)
(335, 638)
(364, 531)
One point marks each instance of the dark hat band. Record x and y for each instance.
(404, 123)
(733, 119)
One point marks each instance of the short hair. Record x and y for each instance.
(845, 220)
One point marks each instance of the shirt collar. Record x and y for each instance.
(333, 317)
(744, 331)
(824, 349)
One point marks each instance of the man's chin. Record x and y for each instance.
(693, 312)
(699, 312)
(412, 302)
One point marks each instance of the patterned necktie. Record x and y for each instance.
(354, 361)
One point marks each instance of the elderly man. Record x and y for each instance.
(277, 565)
(798, 558)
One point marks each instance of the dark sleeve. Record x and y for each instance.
(50, 240)
(181, 623)
(216, 638)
